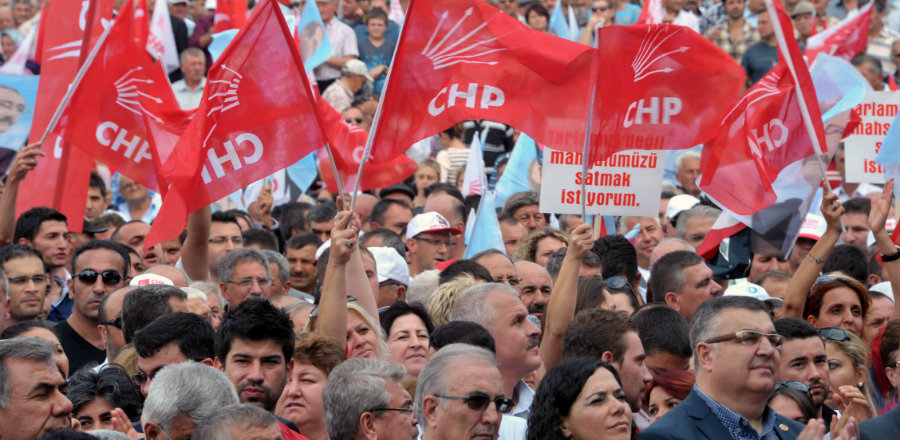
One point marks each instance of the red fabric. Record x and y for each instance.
(256, 117)
(230, 14)
(846, 39)
(710, 245)
(139, 28)
(512, 74)
(105, 117)
(61, 178)
(347, 143)
(42, 30)
(654, 89)
(892, 83)
(289, 434)
(650, 12)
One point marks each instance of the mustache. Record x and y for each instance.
(535, 308)
(533, 342)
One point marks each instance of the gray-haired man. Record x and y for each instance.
(32, 399)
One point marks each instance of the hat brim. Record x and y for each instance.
(453, 231)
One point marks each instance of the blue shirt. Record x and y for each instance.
(736, 424)
(628, 15)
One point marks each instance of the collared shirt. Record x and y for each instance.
(736, 424)
(860, 191)
(721, 36)
(338, 96)
(149, 216)
(343, 43)
(524, 397)
(188, 99)
(713, 17)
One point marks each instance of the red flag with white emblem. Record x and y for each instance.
(257, 116)
(230, 14)
(655, 84)
(846, 39)
(105, 117)
(464, 59)
(60, 180)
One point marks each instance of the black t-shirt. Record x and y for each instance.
(759, 59)
(79, 351)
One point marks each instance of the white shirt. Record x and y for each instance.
(525, 396)
(188, 99)
(343, 43)
(861, 191)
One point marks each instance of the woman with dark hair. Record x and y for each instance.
(43, 330)
(95, 394)
(407, 328)
(455, 152)
(792, 400)
(537, 18)
(666, 391)
(580, 399)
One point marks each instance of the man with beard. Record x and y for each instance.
(534, 288)
(12, 105)
(803, 359)
(254, 347)
(172, 339)
(300, 251)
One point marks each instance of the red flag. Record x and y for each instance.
(892, 83)
(134, 21)
(347, 143)
(846, 39)
(257, 116)
(230, 14)
(60, 180)
(39, 43)
(654, 86)
(464, 59)
(105, 116)
(651, 12)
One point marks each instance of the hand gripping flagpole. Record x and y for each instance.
(75, 82)
(804, 111)
(377, 118)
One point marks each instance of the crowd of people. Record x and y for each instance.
(360, 317)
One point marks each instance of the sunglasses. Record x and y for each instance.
(618, 282)
(479, 401)
(110, 277)
(115, 322)
(352, 120)
(835, 334)
(794, 385)
(600, 9)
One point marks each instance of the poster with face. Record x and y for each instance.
(17, 97)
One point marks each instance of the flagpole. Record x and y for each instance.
(75, 82)
(334, 170)
(585, 154)
(377, 118)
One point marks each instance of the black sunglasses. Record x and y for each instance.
(600, 8)
(351, 120)
(115, 322)
(835, 334)
(110, 277)
(794, 385)
(479, 401)
(618, 282)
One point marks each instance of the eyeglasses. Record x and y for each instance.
(110, 277)
(24, 279)
(794, 385)
(600, 8)
(315, 311)
(246, 283)
(749, 337)
(237, 241)
(512, 281)
(479, 401)
(352, 120)
(140, 378)
(835, 334)
(402, 410)
(618, 282)
(115, 322)
(436, 242)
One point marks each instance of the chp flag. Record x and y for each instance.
(257, 116)
(846, 39)
(464, 59)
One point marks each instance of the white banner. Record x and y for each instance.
(627, 183)
(877, 111)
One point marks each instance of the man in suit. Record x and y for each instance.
(736, 357)
(884, 426)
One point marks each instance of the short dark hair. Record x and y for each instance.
(444, 187)
(401, 308)
(795, 328)
(18, 328)
(617, 257)
(520, 200)
(111, 384)
(224, 217)
(382, 206)
(595, 331)
(590, 259)
(265, 238)
(464, 332)
(92, 245)
(858, 205)
(667, 274)
(460, 267)
(109, 221)
(589, 293)
(255, 319)
(190, 332)
(115, 234)
(29, 223)
(97, 182)
(146, 304)
(662, 328)
(376, 13)
(292, 216)
(16, 251)
(388, 238)
(237, 213)
(322, 212)
(301, 240)
(863, 58)
(849, 260)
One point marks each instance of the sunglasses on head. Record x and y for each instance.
(479, 401)
(835, 334)
(110, 277)
(352, 120)
(794, 385)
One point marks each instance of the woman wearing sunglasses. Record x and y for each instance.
(838, 301)
(580, 399)
(602, 14)
(848, 366)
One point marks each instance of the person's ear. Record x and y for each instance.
(564, 427)
(705, 355)
(219, 365)
(672, 300)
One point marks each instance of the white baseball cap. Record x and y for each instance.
(429, 222)
(150, 278)
(813, 227)
(753, 291)
(678, 204)
(390, 265)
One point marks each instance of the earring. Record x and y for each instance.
(859, 385)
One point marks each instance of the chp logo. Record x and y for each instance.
(461, 46)
(769, 135)
(223, 97)
(129, 97)
(651, 59)
(72, 49)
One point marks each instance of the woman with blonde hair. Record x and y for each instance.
(442, 299)
(428, 173)
(540, 244)
(848, 365)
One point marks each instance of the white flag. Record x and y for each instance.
(474, 181)
(16, 64)
(161, 41)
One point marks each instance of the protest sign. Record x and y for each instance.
(625, 183)
(877, 111)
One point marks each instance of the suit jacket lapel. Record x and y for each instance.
(707, 422)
